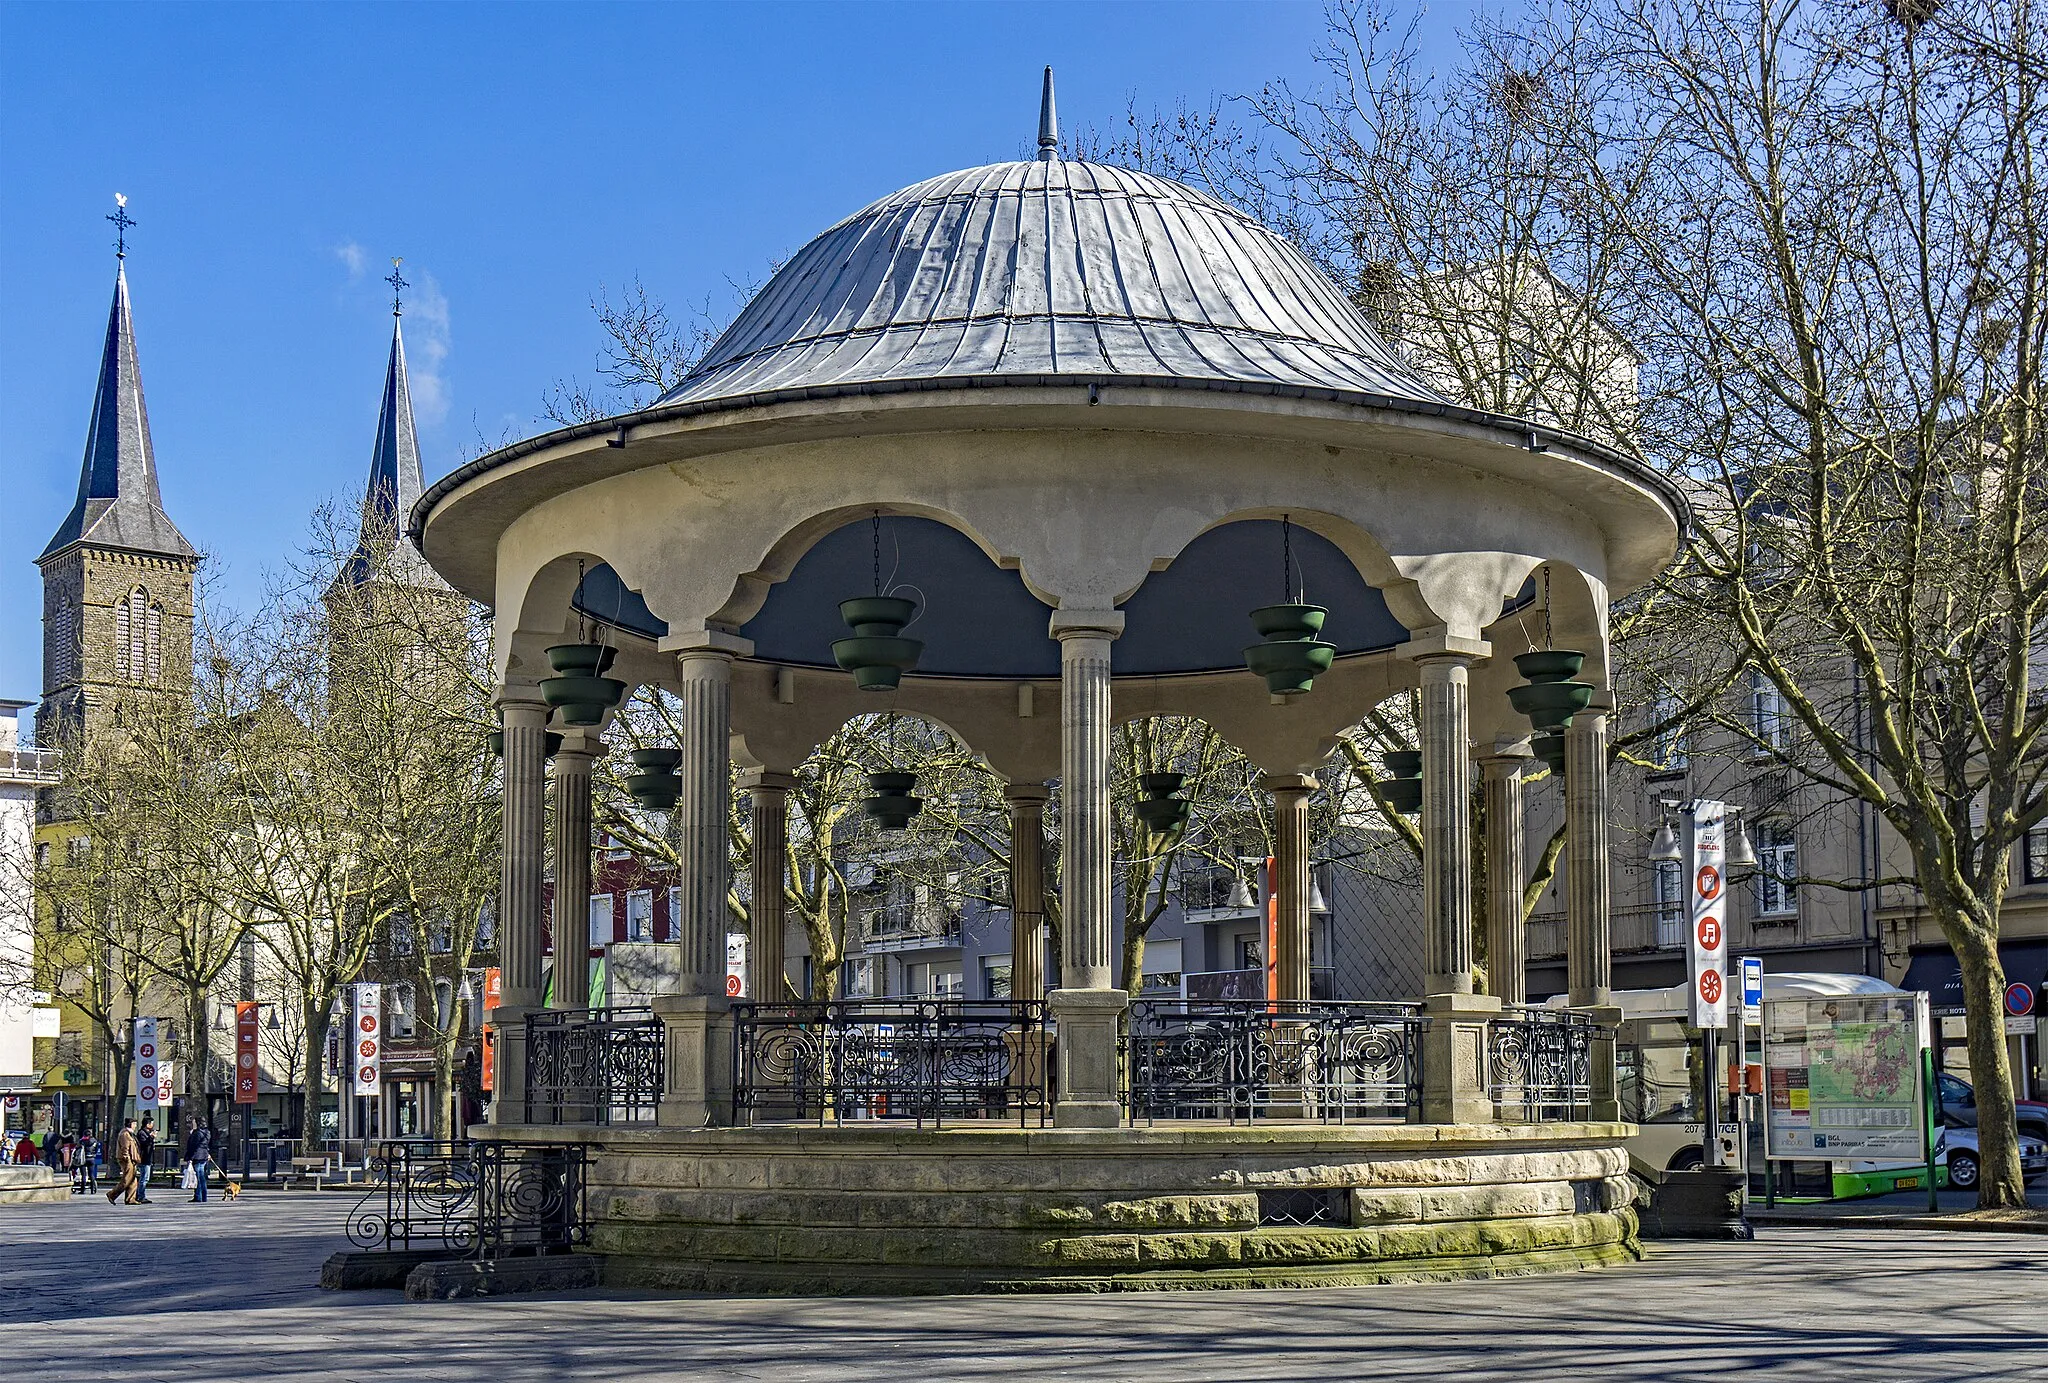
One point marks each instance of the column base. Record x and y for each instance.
(1606, 1102)
(1455, 1087)
(1085, 1056)
(508, 1076)
(697, 1038)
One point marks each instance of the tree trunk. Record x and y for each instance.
(196, 1053)
(2000, 1185)
(1133, 974)
(123, 1058)
(313, 1015)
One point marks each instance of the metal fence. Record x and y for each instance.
(925, 1060)
(1326, 1062)
(1539, 1064)
(593, 1066)
(482, 1199)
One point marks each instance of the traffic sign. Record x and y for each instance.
(2019, 999)
(1752, 989)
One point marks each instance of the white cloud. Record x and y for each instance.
(427, 339)
(354, 257)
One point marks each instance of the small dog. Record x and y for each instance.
(234, 1188)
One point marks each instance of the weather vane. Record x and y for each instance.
(398, 286)
(122, 221)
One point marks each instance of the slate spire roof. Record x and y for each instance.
(118, 503)
(395, 484)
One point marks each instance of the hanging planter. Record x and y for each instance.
(877, 655)
(657, 785)
(1550, 749)
(550, 742)
(579, 691)
(1292, 655)
(1550, 699)
(1403, 791)
(892, 805)
(1161, 811)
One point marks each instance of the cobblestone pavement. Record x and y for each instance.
(183, 1291)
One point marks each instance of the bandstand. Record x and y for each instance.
(1092, 419)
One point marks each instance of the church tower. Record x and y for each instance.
(117, 576)
(385, 554)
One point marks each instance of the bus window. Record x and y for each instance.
(1656, 1072)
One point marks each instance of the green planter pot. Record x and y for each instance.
(656, 786)
(877, 655)
(579, 691)
(1403, 763)
(549, 743)
(1159, 809)
(1550, 705)
(1292, 657)
(581, 659)
(1550, 749)
(892, 805)
(1404, 795)
(657, 760)
(1549, 664)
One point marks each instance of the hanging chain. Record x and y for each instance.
(1546, 605)
(582, 623)
(876, 523)
(1286, 559)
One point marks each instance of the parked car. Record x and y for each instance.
(1956, 1149)
(1959, 1106)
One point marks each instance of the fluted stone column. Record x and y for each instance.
(1455, 1085)
(571, 920)
(1290, 884)
(523, 850)
(1589, 964)
(1087, 1006)
(696, 1021)
(768, 795)
(1027, 889)
(1507, 967)
(1588, 898)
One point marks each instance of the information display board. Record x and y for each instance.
(1842, 1077)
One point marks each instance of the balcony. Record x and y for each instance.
(896, 929)
(42, 767)
(1654, 927)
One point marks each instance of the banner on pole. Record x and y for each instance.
(166, 1084)
(146, 1074)
(367, 1036)
(246, 1023)
(1706, 855)
(490, 1061)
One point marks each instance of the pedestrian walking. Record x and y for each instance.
(127, 1163)
(93, 1154)
(199, 1152)
(145, 1141)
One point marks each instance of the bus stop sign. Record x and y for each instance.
(1752, 990)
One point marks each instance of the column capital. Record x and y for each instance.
(768, 780)
(1442, 645)
(1506, 758)
(583, 744)
(1086, 624)
(1278, 783)
(1026, 794)
(707, 642)
(519, 694)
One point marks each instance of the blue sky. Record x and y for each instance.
(519, 157)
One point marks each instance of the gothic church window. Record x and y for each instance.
(155, 644)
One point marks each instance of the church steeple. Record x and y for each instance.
(382, 548)
(118, 503)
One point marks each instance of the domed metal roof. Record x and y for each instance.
(1021, 271)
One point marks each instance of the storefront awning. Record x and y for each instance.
(1937, 972)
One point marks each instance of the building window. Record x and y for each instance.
(602, 917)
(1767, 713)
(440, 936)
(1161, 968)
(856, 978)
(1667, 889)
(401, 935)
(995, 977)
(1777, 861)
(121, 664)
(1670, 745)
(404, 1022)
(640, 915)
(76, 850)
(675, 913)
(43, 855)
(486, 925)
(615, 849)
(153, 644)
(2036, 868)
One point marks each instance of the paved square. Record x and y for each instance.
(183, 1291)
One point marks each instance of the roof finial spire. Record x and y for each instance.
(1048, 123)
(398, 286)
(122, 221)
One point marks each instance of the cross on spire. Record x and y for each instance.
(122, 221)
(398, 286)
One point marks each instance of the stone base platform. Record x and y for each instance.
(33, 1184)
(866, 1209)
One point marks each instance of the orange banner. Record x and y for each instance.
(247, 1015)
(491, 987)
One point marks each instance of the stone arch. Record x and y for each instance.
(534, 610)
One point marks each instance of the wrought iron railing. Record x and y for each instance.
(482, 1199)
(1539, 1064)
(593, 1066)
(925, 1060)
(1328, 1062)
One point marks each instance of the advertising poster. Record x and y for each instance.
(490, 1057)
(147, 1077)
(367, 1036)
(1706, 829)
(1842, 1078)
(246, 1014)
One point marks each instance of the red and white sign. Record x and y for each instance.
(147, 1076)
(246, 1013)
(366, 1037)
(490, 1061)
(1706, 841)
(166, 1084)
(735, 965)
(2019, 999)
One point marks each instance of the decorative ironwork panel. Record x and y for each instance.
(1539, 1064)
(593, 1066)
(917, 1059)
(477, 1199)
(1324, 1062)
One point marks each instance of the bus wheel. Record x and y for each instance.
(1686, 1160)
(1962, 1170)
